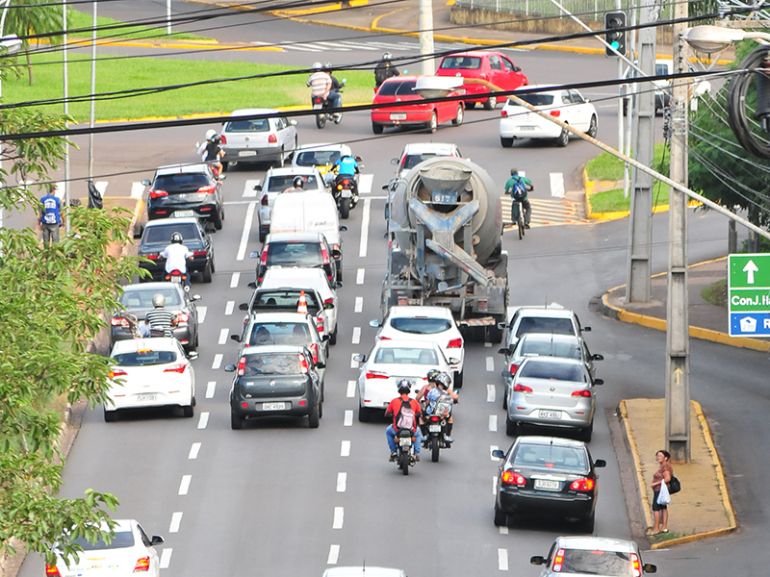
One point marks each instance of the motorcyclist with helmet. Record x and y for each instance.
(176, 255)
(346, 166)
(320, 83)
(211, 151)
(335, 94)
(394, 409)
(439, 384)
(384, 70)
(297, 185)
(159, 319)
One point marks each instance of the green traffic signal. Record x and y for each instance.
(615, 39)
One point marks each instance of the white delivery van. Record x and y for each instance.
(309, 211)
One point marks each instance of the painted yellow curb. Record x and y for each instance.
(623, 413)
(320, 9)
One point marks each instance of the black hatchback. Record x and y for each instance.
(185, 190)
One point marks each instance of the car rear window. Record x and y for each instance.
(280, 334)
(550, 457)
(272, 364)
(551, 349)
(302, 254)
(279, 183)
(545, 325)
(404, 356)
(142, 298)
(120, 540)
(535, 99)
(464, 62)
(179, 183)
(397, 88)
(257, 125)
(535, 369)
(284, 300)
(420, 325)
(162, 233)
(596, 562)
(317, 157)
(144, 358)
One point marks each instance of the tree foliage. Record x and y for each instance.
(31, 17)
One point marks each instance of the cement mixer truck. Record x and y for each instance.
(445, 228)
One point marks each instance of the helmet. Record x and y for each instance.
(298, 182)
(386, 56)
(514, 171)
(176, 238)
(211, 134)
(404, 387)
(432, 374)
(328, 66)
(158, 301)
(444, 380)
(317, 66)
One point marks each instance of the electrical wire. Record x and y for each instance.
(709, 137)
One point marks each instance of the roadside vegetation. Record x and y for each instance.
(715, 293)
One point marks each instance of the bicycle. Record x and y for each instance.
(519, 218)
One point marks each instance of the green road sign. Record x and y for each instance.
(748, 294)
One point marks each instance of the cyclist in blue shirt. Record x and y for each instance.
(50, 216)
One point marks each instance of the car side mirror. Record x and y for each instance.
(597, 357)
(338, 284)
(585, 330)
(325, 338)
(258, 187)
(505, 350)
(293, 122)
(502, 326)
(359, 358)
(192, 355)
(598, 381)
(196, 298)
(243, 307)
(230, 368)
(252, 285)
(600, 463)
(156, 540)
(343, 227)
(255, 254)
(394, 161)
(517, 68)
(146, 182)
(385, 186)
(375, 324)
(453, 361)
(498, 454)
(329, 306)
(537, 560)
(650, 568)
(138, 232)
(320, 365)
(236, 338)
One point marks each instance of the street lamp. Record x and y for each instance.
(710, 39)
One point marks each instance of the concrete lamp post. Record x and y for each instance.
(711, 39)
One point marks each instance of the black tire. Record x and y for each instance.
(206, 274)
(110, 416)
(501, 518)
(321, 407)
(511, 427)
(333, 336)
(189, 411)
(377, 128)
(563, 139)
(403, 462)
(314, 418)
(434, 449)
(587, 525)
(587, 433)
(225, 166)
(490, 103)
(493, 334)
(344, 208)
(505, 399)
(506, 142)
(460, 116)
(218, 221)
(520, 225)
(236, 421)
(194, 345)
(433, 124)
(364, 414)
(320, 120)
(459, 378)
(593, 127)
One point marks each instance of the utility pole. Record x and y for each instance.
(638, 287)
(93, 96)
(677, 334)
(426, 37)
(66, 94)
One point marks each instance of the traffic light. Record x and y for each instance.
(612, 36)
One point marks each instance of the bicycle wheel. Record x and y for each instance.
(520, 223)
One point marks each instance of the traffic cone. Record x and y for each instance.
(302, 304)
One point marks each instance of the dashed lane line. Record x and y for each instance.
(503, 530)
(359, 304)
(203, 420)
(342, 482)
(494, 485)
(165, 557)
(351, 392)
(360, 273)
(246, 230)
(211, 389)
(334, 555)
(353, 361)
(223, 333)
(235, 279)
(492, 449)
(490, 393)
(557, 184)
(363, 245)
(229, 307)
(356, 339)
(502, 559)
(492, 423)
(365, 183)
(488, 345)
(339, 518)
(490, 364)
(345, 449)
(348, 420)
(184, 484)
(194, 450)
(176, 521)
(217, 363)
(248, 188)
(202, 314)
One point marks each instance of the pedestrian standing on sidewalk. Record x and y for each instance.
(662, 475)
(50, 216)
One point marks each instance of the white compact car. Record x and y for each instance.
(553, 319)
(416, 152)
(320, 155)
(426, 324)
(258, 140)
(389, 362)
(276, 181)
(567, 105)
(150, 372)
(130, 552)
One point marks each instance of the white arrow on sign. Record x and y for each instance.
(750, 269)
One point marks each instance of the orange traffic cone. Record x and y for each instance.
(302, 304)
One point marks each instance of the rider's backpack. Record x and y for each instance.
(406, 416)
(519, 190)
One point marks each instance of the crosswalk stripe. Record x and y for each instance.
(301, 48)
(334, 45)
(358, 45)
(549, 211)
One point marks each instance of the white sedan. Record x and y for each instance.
(426, 324)
(567, 105)
(387, 364)
(130, 552)
(150, 373)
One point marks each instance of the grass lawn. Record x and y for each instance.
(716, 293)
(80, 20)
(614, 201)
(129, 73)
(607, 167)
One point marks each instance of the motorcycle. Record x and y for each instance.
(343, 195)
(436, 426)
(176, 276)
(405, 457)
(322, 107)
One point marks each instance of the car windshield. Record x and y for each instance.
(406, 356)
(413, 160)
(121, 540)
(280, 333)
(302, 254)
(272, 364)
(465, 62)
(317, 157)
(182, 182)
(545, 325)
(397, 88)
(562, 349)
(551, 457)
(141, 298)
(661, 69)
(257, 125)
(278, 183)
(284, 300)
(162, 233)
(535, 99)
(144, 358)
(420, 325)
(535, 369)
(596, 562)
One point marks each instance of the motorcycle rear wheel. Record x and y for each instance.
(403, 462)
(434, 449)
(320, 120)
(344, 208)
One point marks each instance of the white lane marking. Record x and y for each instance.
(557, 184)
(490, 393)
(339, 518)
(137, 191)
(356, 335)
(365, 183)
(203, 420)
(248, 188)
(348, 421)
(492, 423)
(334, 555)
(223, 336)
(490, 364)
(202, 313)
(194, 450)
(492, 449)
(351, 392)
(488, 345)
(360, 273)
(353, 361)
(217, 361)
(494, 485)
(229, 307)
(165, 557)
(235, 279)
(342, 482)
(176, 520)
(211, 388)
(359, 306)
(184, 484)
(502, 559)
(364, 244)
(246, 230)
(503, 530)
(345, 449)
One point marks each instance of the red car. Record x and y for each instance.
(481, 68)
(413, 111)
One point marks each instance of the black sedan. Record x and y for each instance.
(185, 190)
(157, 236)
(547, 476)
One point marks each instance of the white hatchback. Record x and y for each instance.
(567, 105)
(426, 324)
(276, 181)
(150, 372)
(416, 152)
(246, 140)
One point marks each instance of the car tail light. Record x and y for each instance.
(329, 301)
(222, 139)
(519, 388)
(513, 478)
(303, 366)
(158, 193)
(263, 256)
(302, 402)
(210, 189)
(199, 253)
(180, 368)
(264, 201)
(152, 256)
(272, 139)
(455, 344)
(636, 565)
(241, 366)
(582, 485)
(205, 208)
(117, 373)
(555, 113)
(119, 322)
(314, 351)
(324, 254)
(52, 571)
(320, 323)
(558, 561)
(182, 317)
(514, 368)
(244, 405)
(142, 564)
(504, 113)
(375, 375)
(582, 393)
(160, 212)
(385, 339)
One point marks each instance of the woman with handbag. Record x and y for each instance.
(660, 501)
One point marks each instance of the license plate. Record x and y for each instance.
(547, 485)
(346, 193)
(273, 406)
(434, 428)
(147, 397)
(405, 442)
(549, 414)
(398, 116)
(526, 128)
(183, 213)
(444, 198)
(243, 153)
